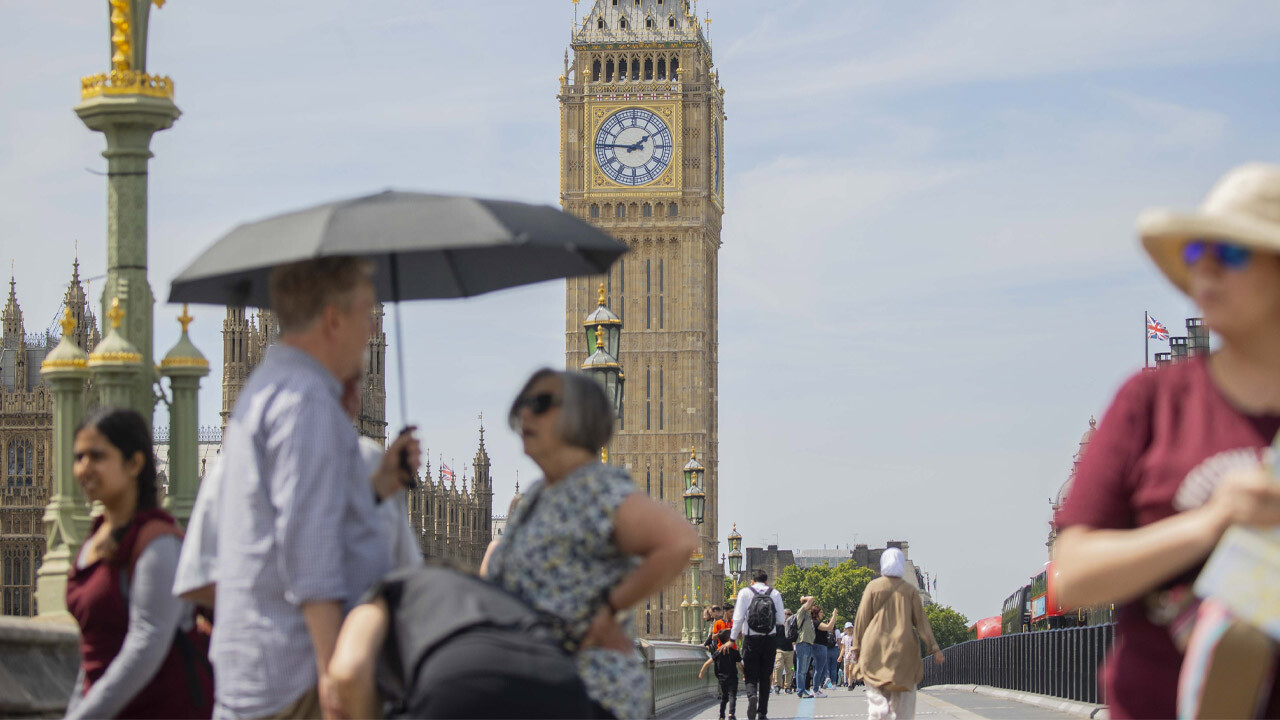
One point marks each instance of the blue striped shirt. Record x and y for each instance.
(296, 524)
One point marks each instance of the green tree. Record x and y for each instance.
(836, 588)
(728, 591)
(949, 626)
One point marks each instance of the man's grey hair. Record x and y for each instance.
(586, 415)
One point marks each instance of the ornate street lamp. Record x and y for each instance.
(695, 505)
(604, 368)
(735, 556)
(604, 341)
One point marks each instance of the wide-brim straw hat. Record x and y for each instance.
(1243, 208)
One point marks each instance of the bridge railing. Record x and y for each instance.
(1060, 663)
(673, 675)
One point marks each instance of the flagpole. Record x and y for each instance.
(1146, 339)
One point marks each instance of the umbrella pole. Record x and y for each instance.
(395, 300)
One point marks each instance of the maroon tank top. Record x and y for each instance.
(96, 598)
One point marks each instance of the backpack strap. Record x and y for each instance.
(150, 530)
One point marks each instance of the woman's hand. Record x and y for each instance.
(605, 632)
(938, 657)
(1247, 497)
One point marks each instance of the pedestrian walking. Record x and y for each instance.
(195, 580)
(757, 616)
(140, 654)
(885, 643)
(727, 663)
(845, 658)
(806, 631)
(1180, 456)
(299, 537)
(784, 667)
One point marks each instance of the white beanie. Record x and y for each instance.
(892, 563)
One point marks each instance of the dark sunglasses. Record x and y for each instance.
(538, 404)
(1231, 257)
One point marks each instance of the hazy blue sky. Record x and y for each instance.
(930, 279)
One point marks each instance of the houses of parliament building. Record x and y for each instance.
(451, 516)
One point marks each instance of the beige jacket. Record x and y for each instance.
(887, 650)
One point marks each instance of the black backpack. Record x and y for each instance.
(762, 616)
(792, 629)
(446, 629)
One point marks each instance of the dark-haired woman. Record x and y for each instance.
(138, 656)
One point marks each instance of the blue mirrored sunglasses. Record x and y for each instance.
(1231, 257)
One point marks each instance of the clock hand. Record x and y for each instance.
(615, 145)
(639, 144)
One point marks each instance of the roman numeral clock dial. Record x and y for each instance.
(633, 147)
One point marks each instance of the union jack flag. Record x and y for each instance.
(446, 473)
(1155, 330)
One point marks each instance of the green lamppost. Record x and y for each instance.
(184, 365)
(695, 504)
(735, 557)
(127, 105)
(604, 339)
(115, 363)
(66, 517)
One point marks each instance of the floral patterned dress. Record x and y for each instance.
(559, 555)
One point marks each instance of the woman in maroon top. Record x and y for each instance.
(140, 656)
(1182, 453)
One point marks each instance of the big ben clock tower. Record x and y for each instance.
(641, 156)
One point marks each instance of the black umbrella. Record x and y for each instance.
(423, 246)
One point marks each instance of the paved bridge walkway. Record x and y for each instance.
(940, 703)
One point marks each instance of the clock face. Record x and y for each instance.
(633, 147)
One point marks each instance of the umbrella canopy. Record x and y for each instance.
(423, 246)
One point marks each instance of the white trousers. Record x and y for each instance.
(886, 705)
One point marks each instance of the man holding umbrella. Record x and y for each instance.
(299, 536)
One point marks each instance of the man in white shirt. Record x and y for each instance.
(758, 629)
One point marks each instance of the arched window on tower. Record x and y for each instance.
(671, 21)
(647, 210)
(595, 71)
(21, 465)
(648, 68)
(622, 23)
(635, 210)
(673, 210)
(620, 211)
(648, 23)
(595, 210)
(599, 23)
(608, 71)
(635, 68)
(662, 68)
(675, 67)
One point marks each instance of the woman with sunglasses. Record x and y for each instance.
(140, 657)
(1182, 453)
(583, 544)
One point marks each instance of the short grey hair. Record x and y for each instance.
(586, 416)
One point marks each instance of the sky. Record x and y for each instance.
(929, 275)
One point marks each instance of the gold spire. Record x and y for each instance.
(115, 314)
(599, 337)
(68, 322)
(601, 298)
(692, 455)
(185, 319)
